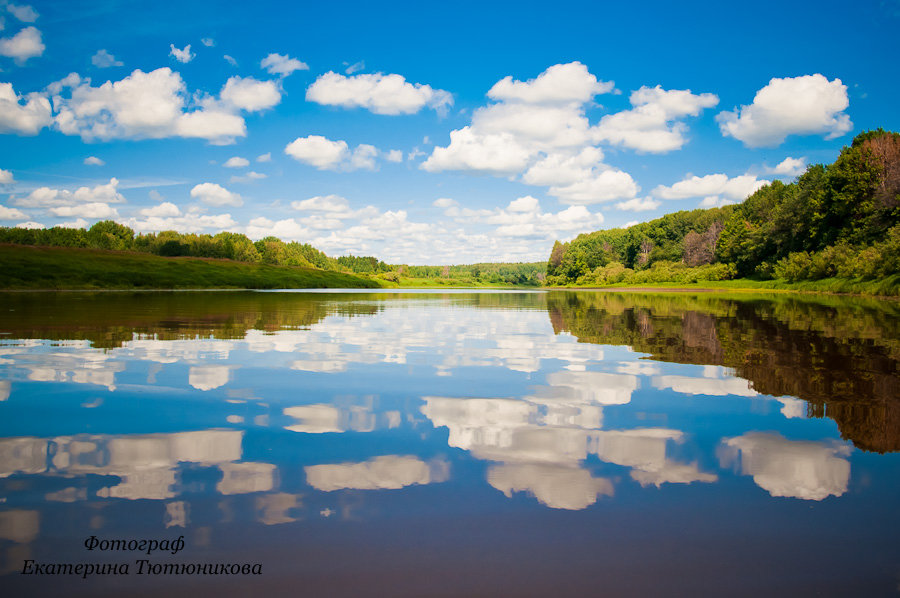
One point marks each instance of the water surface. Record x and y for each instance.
(453, 443)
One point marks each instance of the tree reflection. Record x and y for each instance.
(840, 355)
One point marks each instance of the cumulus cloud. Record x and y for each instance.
(94, 161)
(394, 156)
(323, 203)
(638, 204)
(250, 94)
(247, 177)
(25, 44)
(208, 42)
(23, 115)
(737, 188)
(791, 167)
(93, 210)
(266, 157)
(236, 162)
(77, 223)
(215, 195)
(325, 154)
(382, 94)
(283, 65)
(807, 105)
(559, 84)
(184, 55)
(30, 224)
(163, 210)
(23, 12)
(192, 222)
(155, 105)
(47, 197)
(6, 177)
(11, 214)
(538, 130)
(653, 124)
(103, 59)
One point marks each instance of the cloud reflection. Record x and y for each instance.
(790, 468)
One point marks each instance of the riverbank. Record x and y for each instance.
(66, 268)
(885, 287)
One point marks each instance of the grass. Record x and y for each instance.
(889, 286)
(27, 267)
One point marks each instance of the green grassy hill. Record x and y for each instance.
(28, 267)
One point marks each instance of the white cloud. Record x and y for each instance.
(193, 222)
(559, 84)
(25, 44)
(185, 55)
(77, 223)
(156, 105)
(497, 154)
(266, 157)
(249, 94)
(215, 195)
(737, 188)
(653, 124)
(23, 12)
(30, 224)
(230, 60)
(323, 203)
(394, 156)
(791, 167)
(247, 177)
(363, 157)
(6, 177)
(236, 162)
(638, 204)
(26, 118)
(326, 154)
(276, 64)
(93, 210)
(318, 151)
(538, 129)
(103, 59)
(356, 66)
(94, 161)
(47, 197)
(163, 210)
(444, 202)
(807, 105)
(382, 94)
(11, 214)
(208, 42)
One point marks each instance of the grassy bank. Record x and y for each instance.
(26, 267)
(887, 287)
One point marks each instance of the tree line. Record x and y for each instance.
(839, 220)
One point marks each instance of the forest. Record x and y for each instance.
(269, 251)
(837, 221)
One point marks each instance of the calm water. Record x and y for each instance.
(452, 444)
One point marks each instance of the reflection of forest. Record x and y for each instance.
(107, 319)
(841, 355)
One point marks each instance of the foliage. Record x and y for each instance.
(840, 220)
(66, 268)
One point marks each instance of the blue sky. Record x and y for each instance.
(425, 133)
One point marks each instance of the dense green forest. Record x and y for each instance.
(270, 251)
(836, 221)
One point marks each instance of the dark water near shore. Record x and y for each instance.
(452, 443)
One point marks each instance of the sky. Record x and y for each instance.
(425, 133)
